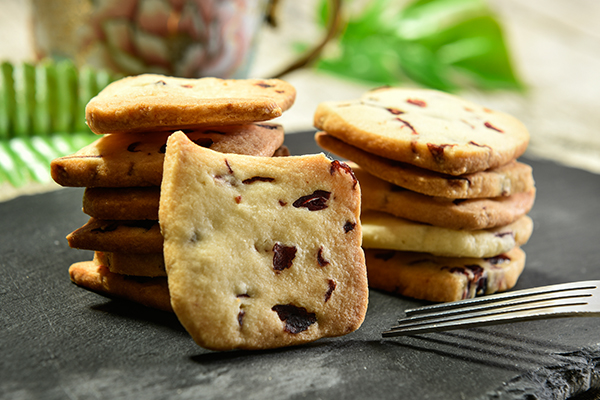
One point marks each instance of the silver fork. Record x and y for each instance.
(577, 299)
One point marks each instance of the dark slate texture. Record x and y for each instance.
(59, 341)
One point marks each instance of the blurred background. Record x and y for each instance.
(538, 60)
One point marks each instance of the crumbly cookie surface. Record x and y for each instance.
(441, 279)
(154, 102)
(426, 128)
(513, 177)
(384, 231)
(469, 214)
(261, 253)
(131, 160)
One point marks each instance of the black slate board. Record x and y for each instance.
(60, 341)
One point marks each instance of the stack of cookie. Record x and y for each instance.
(259, 251)
(122, 170)
(444, 199)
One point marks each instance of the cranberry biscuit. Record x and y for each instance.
(441, 279)
(261, 253)
(426, 128)
(137, 159)
(119, 236)
(470, 214)
(513, 177)
(95, 276)
(384, 231)
(155, 102)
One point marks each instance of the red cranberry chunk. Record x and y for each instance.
(349, 226)
(283, 256)
(313, 202)
(330, 289)
(320, 259)
(257, 179)
(297, 319)
(342, 166)
(417, 102)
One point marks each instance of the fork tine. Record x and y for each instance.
(585, 285)
(515, 316)
(547, 302)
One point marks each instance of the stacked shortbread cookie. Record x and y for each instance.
(444, 199)
(192, 211)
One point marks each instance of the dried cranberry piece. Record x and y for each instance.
(257, 179)
(342, 166)
(349, 226)
(476, 269)
(322, 261)
(228, 167)
(282, 203)
(417, 102)
(437, 151)
(330, 290)
(297, 319)
(455, 181)
(132, 147)
(314, 202)
(204, 142)
(478, 277)
(395, 111)
(472, 143)
(283, 256)
(490, 126)
(264, 85)
(240, 317)
(406, 123)
(502, 234)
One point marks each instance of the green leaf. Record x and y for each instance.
(443, 44)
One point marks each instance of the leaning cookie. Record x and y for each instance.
(94, 276)
(442, 279)
(269, 248)
(384, 231)
(426, 128)
(514, 177)
(469, 214)
(155, 102)
(137, 159)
